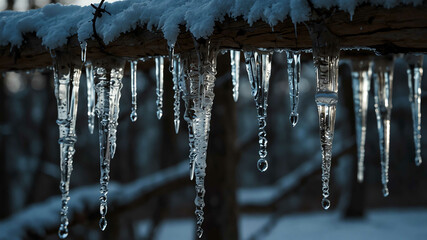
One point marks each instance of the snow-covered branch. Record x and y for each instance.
(387, 28)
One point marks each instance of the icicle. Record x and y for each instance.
(159, 86)
(258, 66)
(326, 57)
(200, 70)
(133, 70)
(109, 84)
(177, 75)
(415, 75)
(66, 81)
(383, 82)
(90, 96)
(361, 77)
(235, 72)
(294, 72)
(83, 46)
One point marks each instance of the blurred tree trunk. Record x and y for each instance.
(354, 191)
(221, 206)
(10, 4)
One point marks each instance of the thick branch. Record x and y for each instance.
(401, 29)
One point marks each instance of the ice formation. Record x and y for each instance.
(294, 73)
(235, 72)
(198, 94)
(258, 66)
(415, 75)
(326, 52)
(159, 85)
(383, 83)
(66, 81)
(361, 76)
(133, 79)
(108, 86)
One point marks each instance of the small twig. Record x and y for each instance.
(98, 14)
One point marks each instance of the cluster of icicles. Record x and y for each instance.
(194, 78)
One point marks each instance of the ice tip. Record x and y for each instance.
(235, 97)
(293, 118)
(386, 193)
(63, 231)
(159, 114)
(176, 124)
(262, 165)
(418, 161)
(103, 224)
(133, 116)
(326, 204)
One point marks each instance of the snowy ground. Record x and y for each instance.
(390, 224)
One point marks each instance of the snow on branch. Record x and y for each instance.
(142, 28)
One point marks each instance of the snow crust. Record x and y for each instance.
(54, 23)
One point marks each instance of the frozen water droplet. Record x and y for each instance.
(103, 209)
(385, 191)
(133, 116)
(103, 224)
(176, 124)
(199, 232)
(63, 232)
(262, 165)
(326, 204)
(159, 85)
(293, 118)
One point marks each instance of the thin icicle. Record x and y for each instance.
(258, 66)
(159, 86)
(177, 75)
(133, 79)
(383, 82)
(83, 46)
(109, 84)
(235, 72)
(90, 96)
(361, 77)
(415, 75)
(294, 73)
(200, 66)
(66, 81)
(325, 57)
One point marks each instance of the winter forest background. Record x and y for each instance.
(283, 203)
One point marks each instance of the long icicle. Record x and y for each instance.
(177, 75)
(66, 81)
(325, 57)
(159, 85)
(235, 72)
(109, 84)
(258, 66)
(383, 84)
(415, 75)
(361, 77)
(90, 96)
(200, 66)
(133, 79)
(294, 73)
